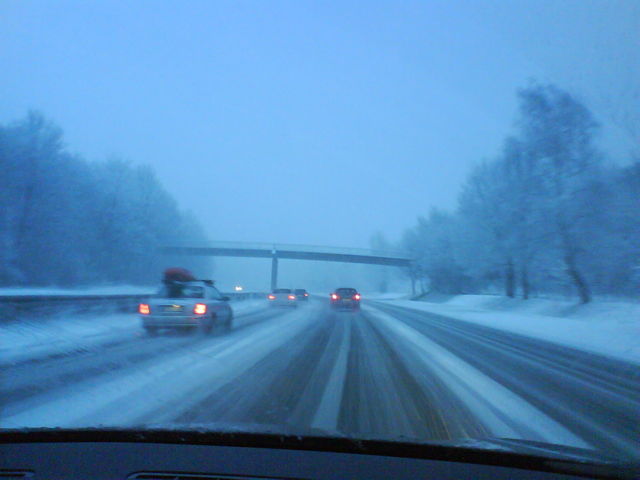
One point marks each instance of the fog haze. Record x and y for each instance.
(305, 123)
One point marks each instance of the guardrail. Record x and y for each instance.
(13, 307)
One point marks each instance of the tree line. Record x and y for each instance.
(66, 221)
(547, 215)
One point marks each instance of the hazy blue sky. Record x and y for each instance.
(306, 122)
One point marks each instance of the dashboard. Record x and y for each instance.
(146, 459)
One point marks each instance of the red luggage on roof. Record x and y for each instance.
(177, 274)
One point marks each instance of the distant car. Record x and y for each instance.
(301, 294)
(345, 298)
(193, 304)
(283, 297)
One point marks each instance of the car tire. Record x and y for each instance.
(229, 324)
(151, 331)
(206, 325)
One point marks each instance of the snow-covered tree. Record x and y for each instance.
(65, 221)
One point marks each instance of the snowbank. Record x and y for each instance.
(35, 338)
(387, 296)
(608, 328)
(62, 334)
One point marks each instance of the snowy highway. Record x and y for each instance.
(386, 371)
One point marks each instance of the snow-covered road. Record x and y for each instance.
(387, 371)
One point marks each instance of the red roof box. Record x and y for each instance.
(177, 274)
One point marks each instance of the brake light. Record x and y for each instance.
(144, 309)
(271, 297)
(200, 309)
(334, 296)
(306, 294)
(292, 297)
(356, 296)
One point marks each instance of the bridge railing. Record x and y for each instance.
(297, 248)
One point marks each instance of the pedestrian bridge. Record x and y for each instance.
(293, 252)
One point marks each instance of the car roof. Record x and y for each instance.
(190, 283)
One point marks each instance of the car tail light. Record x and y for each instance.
(271, 297)
(200, 309)
(292, 297)
(356, 296)
(144, 309)
(334, 296)
(306, 294)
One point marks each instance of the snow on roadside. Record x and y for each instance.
(387, 296)
(608, 328)
(60, 334)
(35, 338)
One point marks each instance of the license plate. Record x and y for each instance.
(347, 300)
(172, 308)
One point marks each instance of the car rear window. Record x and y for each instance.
(282, 290)
(300, 290)
(178, 290)
(346, 291)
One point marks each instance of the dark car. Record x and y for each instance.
(301, 294)
(345, 298)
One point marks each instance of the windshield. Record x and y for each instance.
(457, 185)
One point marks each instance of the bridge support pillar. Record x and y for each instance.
(274, 272)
